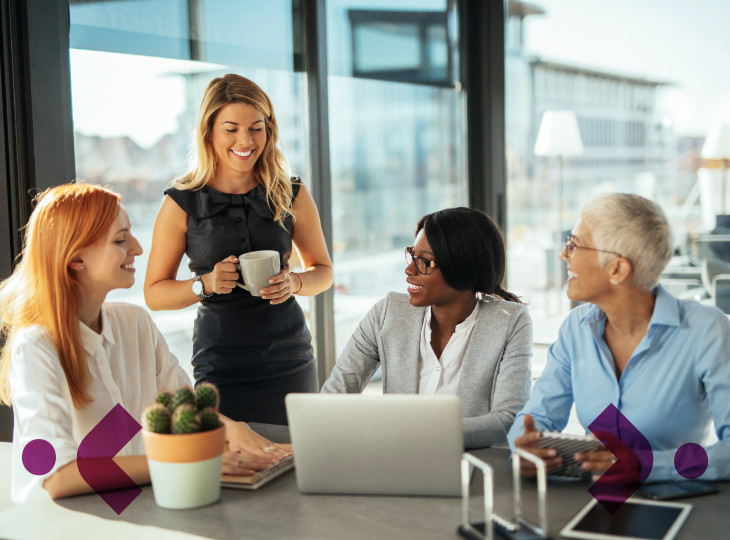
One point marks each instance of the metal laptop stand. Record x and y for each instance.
(519, 528)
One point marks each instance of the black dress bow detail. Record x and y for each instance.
(207, 202)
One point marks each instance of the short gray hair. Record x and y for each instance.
(635, 227)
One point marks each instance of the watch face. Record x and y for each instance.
(198, 287)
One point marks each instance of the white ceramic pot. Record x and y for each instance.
(185, 469)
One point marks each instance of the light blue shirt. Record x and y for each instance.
(676, 383)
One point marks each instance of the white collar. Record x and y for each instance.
(90, 339)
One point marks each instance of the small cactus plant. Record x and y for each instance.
(185, 419)
(183, 395)
(206, 395)
(156, 418)
(184, 411)
(165, 398)
(209, 419)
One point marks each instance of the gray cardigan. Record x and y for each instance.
(495, 378)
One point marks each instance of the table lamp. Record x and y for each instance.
(717, 146)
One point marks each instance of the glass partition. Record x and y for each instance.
(397, 140)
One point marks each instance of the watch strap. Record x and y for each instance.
(199, 279)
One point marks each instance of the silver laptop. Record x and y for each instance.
(379, 445)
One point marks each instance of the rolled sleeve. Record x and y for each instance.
(40, 410)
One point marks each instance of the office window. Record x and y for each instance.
(138, 72)
(396, 140)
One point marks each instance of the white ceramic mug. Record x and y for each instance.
(256, 268)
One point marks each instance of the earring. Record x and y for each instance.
(81, 267)
(614, 281)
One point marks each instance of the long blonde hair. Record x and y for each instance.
(43, 290)
(271, 169)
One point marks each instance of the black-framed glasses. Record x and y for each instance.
(423, 266)
(570, 245)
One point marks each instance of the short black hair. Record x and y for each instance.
(469, 249)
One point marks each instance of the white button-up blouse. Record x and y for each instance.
(129, 363)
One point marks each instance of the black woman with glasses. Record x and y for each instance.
(633, 352)
(455, 332)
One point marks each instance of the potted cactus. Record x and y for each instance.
(184, 440)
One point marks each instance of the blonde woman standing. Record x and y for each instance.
(239, 198)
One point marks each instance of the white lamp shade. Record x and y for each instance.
(717, 143)
(558, 135)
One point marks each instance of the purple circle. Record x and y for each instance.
(690, 460)
(39, 457)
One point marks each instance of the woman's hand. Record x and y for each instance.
(222, 280)
(622, 468)
(240, 463)
(528, 442)
(255, 450)
(283, 286)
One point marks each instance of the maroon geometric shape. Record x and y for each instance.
(39, 457)
(95, 459)
(691, 460)
(634, 458)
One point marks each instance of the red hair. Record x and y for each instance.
(43, 290)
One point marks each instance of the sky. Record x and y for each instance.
(122, 106)
(679, 41)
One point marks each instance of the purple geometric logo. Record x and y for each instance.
(39, 457)
(691, 460)
(95, 459)
(634, 458)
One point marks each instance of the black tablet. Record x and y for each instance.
(666, 491)
(635, 519)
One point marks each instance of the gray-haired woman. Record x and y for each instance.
(633, 352)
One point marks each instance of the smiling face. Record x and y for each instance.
(108, 264)
(238, 138)
(587, 281)
(428, 289)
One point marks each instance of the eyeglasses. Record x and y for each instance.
(570, 245)
(423, 266)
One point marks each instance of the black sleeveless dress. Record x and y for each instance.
(254, 352)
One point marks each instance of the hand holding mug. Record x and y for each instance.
(257, 269)
(223, 278)
(282, 287)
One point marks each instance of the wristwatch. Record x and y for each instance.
(198, 288)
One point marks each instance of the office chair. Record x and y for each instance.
(716, 281)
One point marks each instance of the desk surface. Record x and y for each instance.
(279, 510)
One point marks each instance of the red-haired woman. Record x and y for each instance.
(70, 358)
